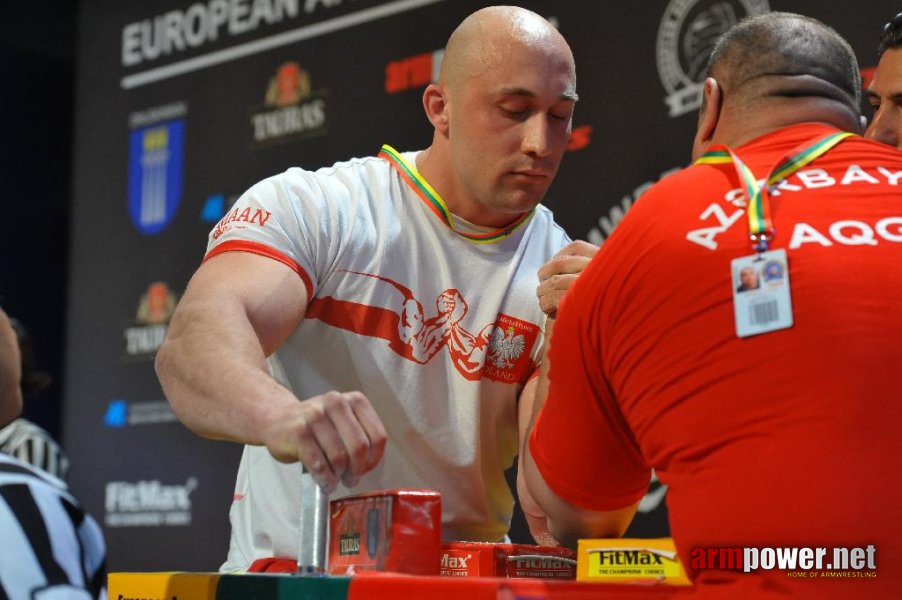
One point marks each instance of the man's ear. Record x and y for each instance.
(708, 117)
(436, 107)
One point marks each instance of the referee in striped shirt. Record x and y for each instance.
(50, 547)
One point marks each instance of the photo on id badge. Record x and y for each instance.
(761, 296)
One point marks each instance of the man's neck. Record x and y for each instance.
(739, 127)
(433, 164)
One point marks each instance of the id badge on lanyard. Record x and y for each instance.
(762, 300)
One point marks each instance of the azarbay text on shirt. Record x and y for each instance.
(847, 232)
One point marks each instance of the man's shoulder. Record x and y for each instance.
(22, 433)
(376, 164)
(357, 177)
(361, 163)
(367, 173)
(14, 471)
(544, 219)
(693, 181)
(860, 151)
(22, 428)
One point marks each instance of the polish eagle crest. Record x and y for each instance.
(505, 347)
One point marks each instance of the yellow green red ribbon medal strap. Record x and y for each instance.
(434, 201)
(761, 227)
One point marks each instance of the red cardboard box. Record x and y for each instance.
(387, 530)
(476, 559)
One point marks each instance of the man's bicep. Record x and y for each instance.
(271, 295)
(567, 522)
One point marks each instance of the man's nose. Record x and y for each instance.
(537, 136)
(884, 128)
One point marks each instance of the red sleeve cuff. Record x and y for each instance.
(263, 250)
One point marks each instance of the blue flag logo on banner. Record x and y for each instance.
(156, 157)
(214, 209)
(116, 414)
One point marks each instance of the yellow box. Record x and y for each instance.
(629, 560)
(169, 585)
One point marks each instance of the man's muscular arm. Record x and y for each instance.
(554, 520)
(555, 278)
(564, 522)
(237, 310)
(535, 515)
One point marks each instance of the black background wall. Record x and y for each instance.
(161, 493)
(37, 74)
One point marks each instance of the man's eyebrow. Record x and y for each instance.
(519, 91)
(894, 97)
(572, 96)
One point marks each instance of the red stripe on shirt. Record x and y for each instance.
(263, 250)
(361, 319)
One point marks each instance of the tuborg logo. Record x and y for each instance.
(349, 540)
(155, 308)
(156, 157)
(686, 36)
(295, 109)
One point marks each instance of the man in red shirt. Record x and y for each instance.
(774, 414)
(885, 90)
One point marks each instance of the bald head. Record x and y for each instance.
(784, 55)
(502, 111)
(485, 38)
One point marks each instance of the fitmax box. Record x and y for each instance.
(476, 559)
(630, 560)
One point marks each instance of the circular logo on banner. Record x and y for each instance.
(686, 35)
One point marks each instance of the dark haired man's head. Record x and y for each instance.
(885, 90)
(891, 36)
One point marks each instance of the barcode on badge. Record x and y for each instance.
(762, 313)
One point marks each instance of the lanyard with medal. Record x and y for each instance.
(761, 297)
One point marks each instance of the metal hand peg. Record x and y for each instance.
(314, 527)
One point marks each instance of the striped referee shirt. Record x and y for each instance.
(34, 446)
(49, 547)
